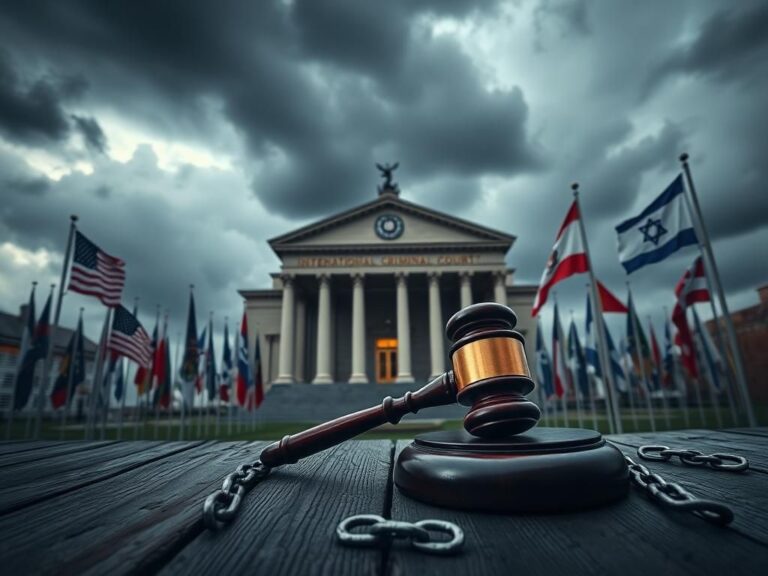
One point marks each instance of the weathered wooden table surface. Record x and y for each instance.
(134, 507)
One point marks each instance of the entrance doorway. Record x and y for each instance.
(386, 360)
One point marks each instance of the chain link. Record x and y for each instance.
(222, 506)
(378, 531)
(728, 462)
(672, 494)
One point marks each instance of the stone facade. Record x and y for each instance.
(363, 296)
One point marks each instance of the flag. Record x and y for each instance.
(543, 364)
(576, 360)
(670, 370)
(244, 382)
(656, 367)
(129, 338)
(120, 381)
(200, 374)
(708, 352)
(211, 383)
(592, 357)
(663, 228)
(96, 273)
(637, 343)
(627, 364)
(37, 350)
(558, 362)
(615, 359)
(26, 351)
(71, 369)
(226, 367)
(144, 373)
(159, 380)
(108, 373)
(163, 374)
(691, 288)
(590, 344)
(609, 302)
(258, 382)
(189, 362)
(568, 257)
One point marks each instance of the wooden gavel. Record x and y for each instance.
(490, 374)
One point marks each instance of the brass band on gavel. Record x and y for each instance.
(489, 358)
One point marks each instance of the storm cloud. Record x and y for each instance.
(184, 136)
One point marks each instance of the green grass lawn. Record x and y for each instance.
(164, 429)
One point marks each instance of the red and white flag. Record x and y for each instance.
(609, 302)
(568, 257)
(96, 273)
(691, 288)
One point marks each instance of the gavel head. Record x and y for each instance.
(491, 371)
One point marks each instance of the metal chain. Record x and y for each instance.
(719, 461)
(672, 494)
(221, 507)
(379, 531)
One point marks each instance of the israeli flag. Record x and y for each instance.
(660, 230)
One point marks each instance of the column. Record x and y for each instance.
(404, 375)
(285, 361)
(323, 375)
(465, 278)
(436, 348)
(500, 288)
(300, 341)
(358, 331)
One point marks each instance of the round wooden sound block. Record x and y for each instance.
(543, 470)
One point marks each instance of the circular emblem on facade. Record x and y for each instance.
(389, 226)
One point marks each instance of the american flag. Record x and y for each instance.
(96, 273)
(129, 337)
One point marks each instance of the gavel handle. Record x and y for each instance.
(439, 392)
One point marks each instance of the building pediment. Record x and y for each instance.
(392, 224)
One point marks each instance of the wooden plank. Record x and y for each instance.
(753, 448)
(32, 482)
(288, 523)
(129, 523)
(746, 493)
(53, 449)
(16, 446)
(757, 431)
(630, 537)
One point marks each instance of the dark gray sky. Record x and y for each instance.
(186, 134)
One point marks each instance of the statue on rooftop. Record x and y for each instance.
(386, 173)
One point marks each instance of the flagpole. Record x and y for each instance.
(125, 379)
(556, 328)
(171, 391)
(612, 406)
(647, 389)
(676, 377)
(45, 380)
(176, 377)
(70, 377)
(25, 321)
(696, 383)
(706, 248)
(705, 354)
(42, 387)
(575, 378)
(630, 395)
(106, 405)
(97, 376)
(664, 404)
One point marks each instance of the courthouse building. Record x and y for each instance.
(363, 296)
